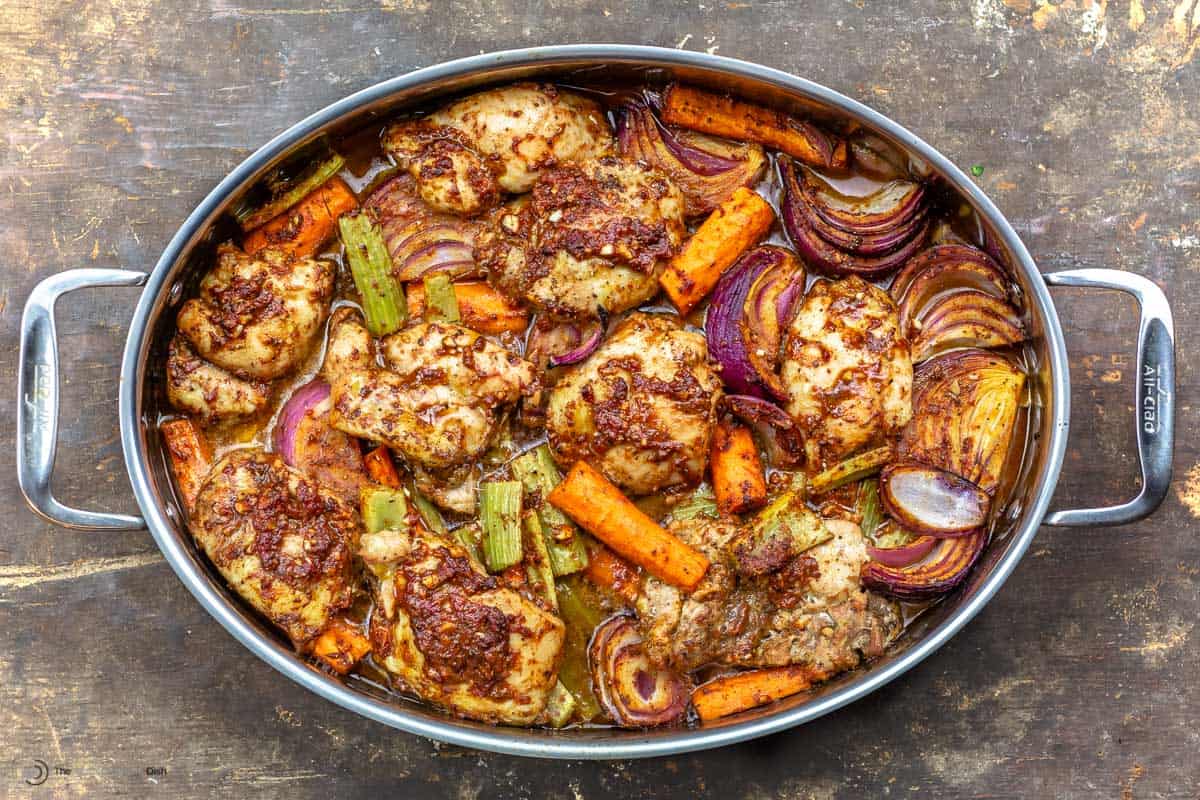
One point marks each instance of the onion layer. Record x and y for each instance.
(947, 565)
(965, 405)
(634, 692)
(419, 239)
(932, 501)
(905, 554)
(839, 235)
(964, 319)
(305, 440)
(705, 169)
(750, 308)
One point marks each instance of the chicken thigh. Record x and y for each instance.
(847, 369)
(641, 408)
(454, 635)
(464, 155)
(591, 238)
(282, 541)
(436, 403)
(257, 316)
(198, 387)
(812, 611)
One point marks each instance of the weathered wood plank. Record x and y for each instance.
(1078, 680)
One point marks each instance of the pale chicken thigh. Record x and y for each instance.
(455, 635)
(847, 369)
(641, 408)
(257, 316)
(465, 155)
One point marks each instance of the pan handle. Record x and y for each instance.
(1155, 396)
(37, 415)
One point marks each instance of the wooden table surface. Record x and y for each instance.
(1079, 680)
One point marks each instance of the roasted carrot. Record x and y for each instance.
(721, 115)
(191, 456)
(481, 307)
(733, 693)
(599, 507)
(306, 226)
(380, 467)
(732, 229)
(606, 568)
(737, 470)
(340, 646)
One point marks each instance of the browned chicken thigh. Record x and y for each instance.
(812, 610)
(465, 155)
(592, 237)
(455, 635)
(283, 541)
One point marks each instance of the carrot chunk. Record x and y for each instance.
(738, 478)
(721, 115)
(599, 507)
(481, 307)
(744, 690)
(733, 228)
(606, 568)
(340, 646)
(381, 469)
(191, 456)
(305, 227)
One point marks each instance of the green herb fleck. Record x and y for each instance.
(977, 170)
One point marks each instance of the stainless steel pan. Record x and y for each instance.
(142, 398)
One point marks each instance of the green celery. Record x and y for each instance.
(500, 516)
(383, 509)
(560, 706)
(537, 559)
(382, 297)
(287, 193)
(441, 303)
(702, 502)
(852, 469)
(536, 470)
(869, 507)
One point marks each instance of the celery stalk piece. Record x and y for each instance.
(579, 608)
(500, 516)
(383, 509)
(536, 470)
(537, 559)
(869, 507)
(371, 265)
(428, 511)
(852, 469)
(560, 706)
(469, 536)
(291, 192)
(441, 303)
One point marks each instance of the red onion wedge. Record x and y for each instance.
(979, 270)
(892, 237)
(905, 554)
(750, 308)
(947, 565)
(705, 169)
(755, 410)
(881, 211)
(305, 440)
(965, 406)
(931, 501)
(634, 692)
(584, 348)
(875, 157)
(419, 239)
(965, 319)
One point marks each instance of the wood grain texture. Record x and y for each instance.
(1078, 681)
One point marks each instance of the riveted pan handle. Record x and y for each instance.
(1155, 407)
(37, 413)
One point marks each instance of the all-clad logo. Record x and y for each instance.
(1153, 395)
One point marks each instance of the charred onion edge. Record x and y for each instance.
(614, 641)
